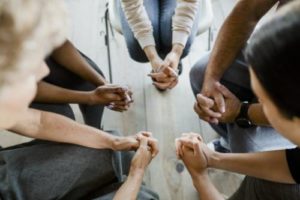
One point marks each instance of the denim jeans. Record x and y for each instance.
(160, 13)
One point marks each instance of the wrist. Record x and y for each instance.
(177, 49)
(151, 52)
(200, 177)
(214, 159)
(136, 172)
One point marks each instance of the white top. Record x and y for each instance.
(140, 23)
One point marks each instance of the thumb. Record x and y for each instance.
(170, 72)
(225, 92)
(143, 142)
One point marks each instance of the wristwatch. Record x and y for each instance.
(242, 119)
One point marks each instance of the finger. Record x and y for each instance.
(224, 90)
(201, 114)
(165, 80)
(147, 134)
(115, 108)
(173, 84)
(153, 143)
(143, 142)
(204, 101)
(162, 86)
(157, 75)
(210, 113)
(178, 148)
(170, 72)
(186, 142)
(220, 101)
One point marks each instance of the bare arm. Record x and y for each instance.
(51, 93)
(69, 57)
(270, 165)
(234, 33)
(257, 116)
(53, 127)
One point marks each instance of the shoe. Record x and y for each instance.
(217, 146)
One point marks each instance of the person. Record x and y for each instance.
(272, 55)
(160, 32)
(75, 78)
(67, 160)
(242, 125)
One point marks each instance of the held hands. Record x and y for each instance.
(223, 106)
(143, 156)
(194, 153)
(133, 142)
(115, 97)
(165, 73)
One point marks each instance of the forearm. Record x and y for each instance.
(270, 165)
(131, 186)
(257, 116)
(206, 190)
(234, 33)
(53, 127)
(69, 57)
(49, 93)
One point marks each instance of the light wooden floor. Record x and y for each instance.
(167, 115)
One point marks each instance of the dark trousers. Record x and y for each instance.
(62, 77)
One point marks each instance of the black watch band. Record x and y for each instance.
(242, 119)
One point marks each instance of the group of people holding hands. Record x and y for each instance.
(246, 88)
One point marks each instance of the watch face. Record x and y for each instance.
(244, 123)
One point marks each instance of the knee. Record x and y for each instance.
(135, 51)
(197, 76)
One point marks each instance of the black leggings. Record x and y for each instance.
(62, 77)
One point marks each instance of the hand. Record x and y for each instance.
(232, 105)
(164, 77)
(132, 142)
(213, 98)
(115, 97)
(142, 157)
(194, 153)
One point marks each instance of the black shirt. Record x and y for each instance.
(293, 159)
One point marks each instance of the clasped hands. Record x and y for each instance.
(115, 97)
(189, 147)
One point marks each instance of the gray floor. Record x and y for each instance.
(167, 115)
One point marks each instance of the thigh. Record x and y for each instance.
(167, 10)
(257, 189)
(236, 78)
(255, 139)
(135, 50)
(53, 171)
(62, 109)
(62, 77)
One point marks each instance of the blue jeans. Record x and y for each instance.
(160, 13)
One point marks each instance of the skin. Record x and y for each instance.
(115, 97)
(272, 165)
(232, 37)
(164, 72)
(139, 164)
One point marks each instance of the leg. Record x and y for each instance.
(237, 80)
(60, 76)
(167, 10)
(46, 170)
(257, 189)
(135, 50)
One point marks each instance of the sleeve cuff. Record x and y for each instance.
(180, 37)
(146, 41)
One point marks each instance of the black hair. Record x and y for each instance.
(274, 55)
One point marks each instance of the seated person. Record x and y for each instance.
(274, 68)
(240, 131)
(160, 32)
(74, 78)
(69, 160)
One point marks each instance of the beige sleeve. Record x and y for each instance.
(183, 20)
(139, 22)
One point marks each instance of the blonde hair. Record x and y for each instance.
(29, 30)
